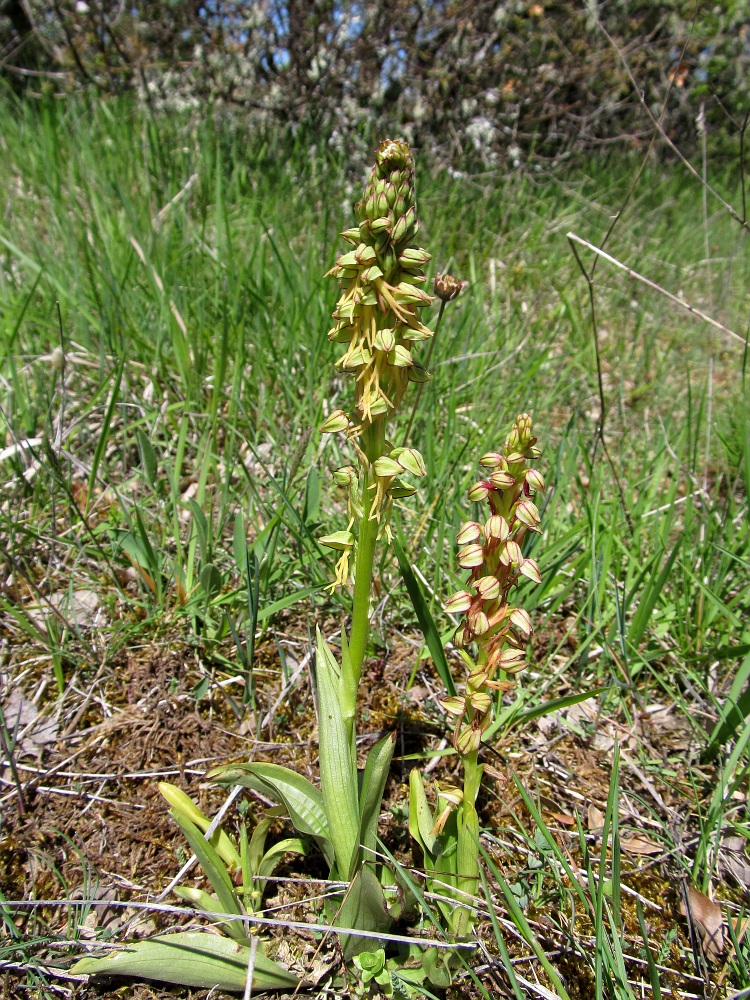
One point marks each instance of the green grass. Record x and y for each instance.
(195, 371)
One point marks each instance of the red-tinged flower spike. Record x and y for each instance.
(493, 554)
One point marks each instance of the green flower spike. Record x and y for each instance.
(377, 318)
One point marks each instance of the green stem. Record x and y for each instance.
(373, 443)
(467, 860)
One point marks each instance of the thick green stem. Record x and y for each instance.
(467, 862)
(373, 442)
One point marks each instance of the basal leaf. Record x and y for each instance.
(191, 958)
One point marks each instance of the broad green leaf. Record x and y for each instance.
(371, 793)
(425, 619)
(272, 857)
(205, 901)
(363, 908)
(191, 958)
(338, 766)
(216, 873)
(210, 580)
(421, 820)
(257, 845)
(301, 798)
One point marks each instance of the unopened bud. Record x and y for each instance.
(479, 491)
(502, 480)
(469, 532)
(470, 556)
(527, 514)
(478, 623)
(345, 477)
(530, 569)
(534, 481)
(488, 587)
(481, 701)
(385, 340)
(335, 423)
(454, 706)
(520, 618)
(385, 467)
(458, 603)
(497, 528)
(410, 460)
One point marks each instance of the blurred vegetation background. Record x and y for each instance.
(498, 83)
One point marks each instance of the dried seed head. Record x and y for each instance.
(447, 287)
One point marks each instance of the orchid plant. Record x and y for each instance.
(492, 638)
(377, 321)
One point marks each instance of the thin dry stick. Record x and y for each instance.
(698, 313)
(589, 276)
(602, 404)
(657, 123)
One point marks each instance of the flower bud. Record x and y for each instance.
(335, 423)
(513, 553)
(458, 603)
(527, 514)
(530, 569)
(487, 587)
(340, 540)
(479, 491)
(481, 701)
(503, 480)
(491, 460)
(418, 373)
(454, 706)
(385, 340)
(469, 740)
(478, 623)
(497, 528)
(534, 481)
(401, 492)
(345, 477)
(399, 357)
(470, 556)
(385, 467)
(520, 618)
(412, 257)
(410, 460)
